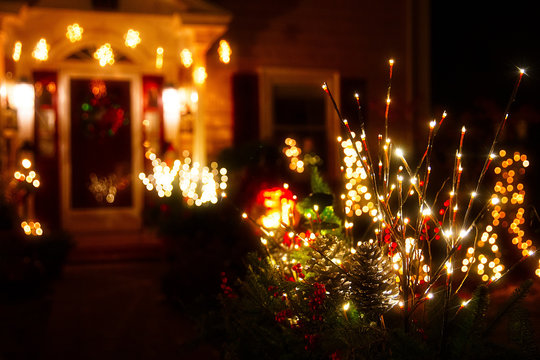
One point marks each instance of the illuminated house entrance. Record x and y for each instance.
(96, 107)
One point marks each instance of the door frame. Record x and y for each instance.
(100, 219)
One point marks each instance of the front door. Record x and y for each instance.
(99, 167)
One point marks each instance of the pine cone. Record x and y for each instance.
(328, 254)
(373, 286)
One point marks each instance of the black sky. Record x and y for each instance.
(476, 47)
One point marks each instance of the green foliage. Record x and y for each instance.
(335, 309)
(318, 184)
(517, 297)
(259, 321)
(268, 316)
(521, 333)
(250, 328)
(407, 346)
(467, 328)
(325, 219)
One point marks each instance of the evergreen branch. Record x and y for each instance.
(521, 332)
(517, 296)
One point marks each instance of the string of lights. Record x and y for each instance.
(132, 38)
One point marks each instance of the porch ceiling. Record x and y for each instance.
(170, 24)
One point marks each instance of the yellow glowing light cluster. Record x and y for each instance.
(419, 270)
(199, 185)
(74, 32)
(104, 55)
(41, 50)
(104, 188)
(293, 152)
(199, 75)
(513, 168)
(132, 38)
(358, 199)
(224, 52)
(32, 228)
(507, 216)
(159, 58)
(162, 178)
(186, 57)
(30, 176)
(17, 49)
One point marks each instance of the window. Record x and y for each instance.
(293, 104)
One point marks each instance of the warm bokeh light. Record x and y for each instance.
(199, 185)
(186, 57)
(199, 75)
(357, 198)
(505, 219)
(17, 49)
(32, 228)
(132, 38)
(293, 152)
(279, 207)
(41, 50)
(74, 32)
(159, 58)
(224, 51)
(104, 54)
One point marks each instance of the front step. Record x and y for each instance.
(115, 246)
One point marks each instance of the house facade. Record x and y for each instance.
(107, 80)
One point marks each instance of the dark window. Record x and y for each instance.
(299, 111)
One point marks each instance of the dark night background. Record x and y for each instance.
(476, 48)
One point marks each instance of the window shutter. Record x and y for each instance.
(245, 107)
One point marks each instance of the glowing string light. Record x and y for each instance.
(27, 175)
(199, 75)
(74, 32)
(224, 51)
(507, 218)
(186, 57)
(198, 185)
(132, 38)
(17, 49)
(159, 58)
(104, 54)
(41, 50)
(32, 228)
(358, 200)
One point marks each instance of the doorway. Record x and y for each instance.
(100, 153)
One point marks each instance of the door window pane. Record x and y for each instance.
(100, 143)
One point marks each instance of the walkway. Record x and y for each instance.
(100, 311)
